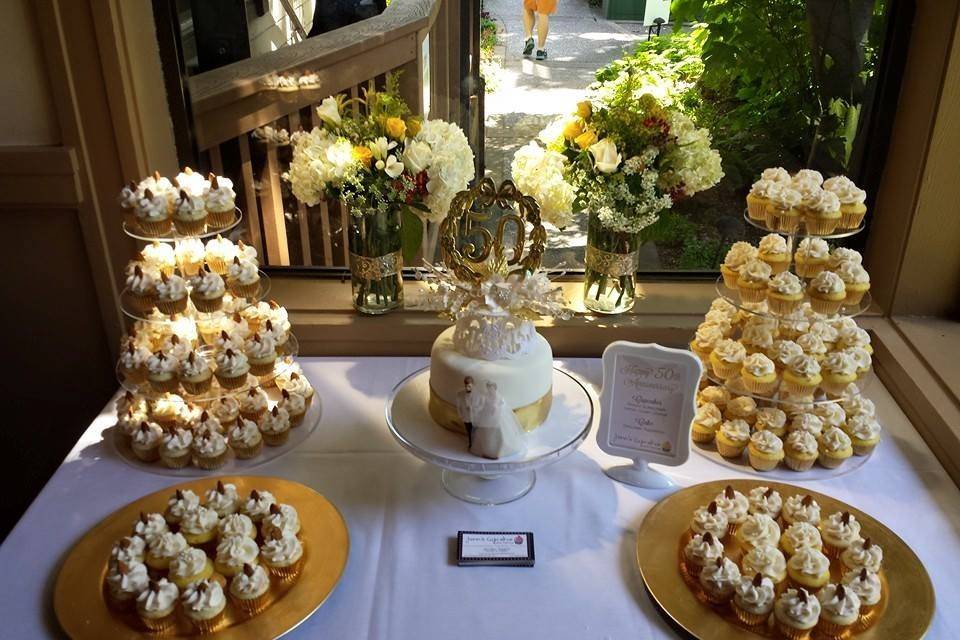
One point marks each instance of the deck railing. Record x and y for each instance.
(234, 114)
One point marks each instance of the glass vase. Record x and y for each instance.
(376, 262)
(610, 273)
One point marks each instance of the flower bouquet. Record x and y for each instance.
(393, 171)
(623, 157)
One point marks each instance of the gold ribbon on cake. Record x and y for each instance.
(612, 264)
(375, 268)
(529, 416)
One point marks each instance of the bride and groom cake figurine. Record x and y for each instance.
(493, 430)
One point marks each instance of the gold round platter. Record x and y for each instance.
(82, 609)
(905, 581)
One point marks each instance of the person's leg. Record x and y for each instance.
(543, 28)
(528, 18)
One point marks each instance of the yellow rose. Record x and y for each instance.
(363, 155)
(572, 129)
(413, 127)
(584, 109)
(396, 128)
(586, 139)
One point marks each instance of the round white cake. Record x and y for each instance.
(524, 376)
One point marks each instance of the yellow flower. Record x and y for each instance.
(586, 138)
(413, 126)
(584, 109)
(572, 129)
(396, 128)
(363, 155)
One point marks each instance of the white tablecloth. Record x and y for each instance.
(401, 581)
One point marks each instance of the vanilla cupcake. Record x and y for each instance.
(219, 254)
(715, 395)
(738, 255)
(838, 370)
(243, 278)
(188, 255)
(783, 214)
(809, 568)
(759, 374)
(129, 549)
(207, 290)
(245, 439)
(862, 554)
(126, 581)
(856, 280)
(210, 449)
(778, 175)
(765, 501)
(839, 610)
(192, 182)
(282, 518)
(196, 376)
(800, 535)
(189, 214)
(261, 352)
(190, 565)
(852, 201)
(203, 604)
(827, 293)
(864, 432)
(199, 525)
(800, 450)
(282, 554)
(257, 506)
(800, 508)
(156, 605)
(811, 257)
(705, 423)
(220, 202)
(164, 548)
(753, 599)
(222, 499)
(839, 531)
(801, 376)
(129, 422)
(759, 198)
(796, 613)
(809, 422)
(705, 339)
(813, 345)
(735, 505)
(784, 293)
(757, 337)
(133, 363)
(771, 419)
(162, 372)
(142, 289)
(718, 580)
(841, 255)
(741, 408)
(710, 519)
(146, 440)
(821, 212)
(152, 211)
(831, 414)
(701, 550)
(861, 357)
(236, 524)
(297, 383)
(206, 422)
(226, 409)
(756, 530)
(856, 404)
(835, 447)
(295, 406)
(167, 409)
(275, 426)
(233, 552)
(175, 448)
(765, 559)
(782, 350)
(732, 438)
(150, 526)
(752, 280)
(249, 589)
(765, 450)
(773, 250)
(232, 368)
(171, 294)
(868, 588)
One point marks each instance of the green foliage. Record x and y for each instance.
(411, 235)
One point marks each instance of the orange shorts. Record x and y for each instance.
(541, 6)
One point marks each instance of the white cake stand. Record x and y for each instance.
(478, 480)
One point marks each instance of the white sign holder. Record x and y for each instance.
(647, 405)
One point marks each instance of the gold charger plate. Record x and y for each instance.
(905, 580)
(79, 599)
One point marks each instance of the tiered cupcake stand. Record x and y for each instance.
(192, 322)
(733, 297)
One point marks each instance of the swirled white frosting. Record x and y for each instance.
(802, 442)
(177, 442)
(729, 351)
(208, 284)
(254, 400)
(704, 521)
(776, 174)
(840, 529)
(831, 414)
(834, 440)
(773, 244)
(194, 367)
(159, 596)
(129, 195)
(812, 344)
(189, 207)
(258, 505)
(766, 442)
(189, 251)
(162, 364)
(220, 196)
(827, 282)
(207, 423)
(198, 520)
(863, 554)
(223, 502)
(232, 363)
(245, 586)
(794, 509)
(297, 383)
(708, 415)
(755, 272)
(246, 433)
(741, 407)
(237, 524)
(770, 418)
(821, 201)
(798, 611)
(813, 248)
(706, 336)
(715, 395)
(724, 307)
(803, 534)
(167, 545)
(838, 182)
(243, 271)
(864, 428)
(220, 249)
(783, 350)
(147, 435)
(188, 562)
(202, 596)
(858, 405)
(282, 518)
(765, 501)
(739, 254)
(805, 366)
(134, 357)
(141, 281)
(839, 603)
(809, 422)
(758, 365)
(866, 584)
(721, 575)
(210, 444)
(733, 503)
(842, 255)
(192, 182)
(861, 357)
(736, 431)
(259, 347)
(150, 526)
(283, 551)
(127, 579)
(786, 198)
(848, 193)
(852, 273)
(765, 559)
(181, 502)
(151, 206)
(759, 335)
(839, 363)
(809, 562)
(235, 551)
(759, 528)
(810, 176)
(703, 548)
(277, 420)
(226, 408)
(129, 550)
(754, 598)
(293, 403)
(786, 283)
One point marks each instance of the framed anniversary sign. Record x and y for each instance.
(647, 405)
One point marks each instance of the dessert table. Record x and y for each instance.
(401, 579)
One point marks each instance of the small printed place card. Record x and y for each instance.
(495, 548)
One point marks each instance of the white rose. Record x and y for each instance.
(393, 167)
(605, 156)
(329, 111)
(417, 156)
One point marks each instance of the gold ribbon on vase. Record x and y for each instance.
(375, 268)
(529, 416)
(612, 264)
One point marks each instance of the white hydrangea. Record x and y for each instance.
(691, 164)
(321, 160)
(540, 173)
(451, 165)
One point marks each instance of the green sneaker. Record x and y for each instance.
(528, 47)
(541, 54)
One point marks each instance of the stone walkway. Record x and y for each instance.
(531, 94)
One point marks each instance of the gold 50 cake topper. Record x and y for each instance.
(472, 262)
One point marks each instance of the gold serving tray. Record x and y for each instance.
(665, 529)
(80, 602)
